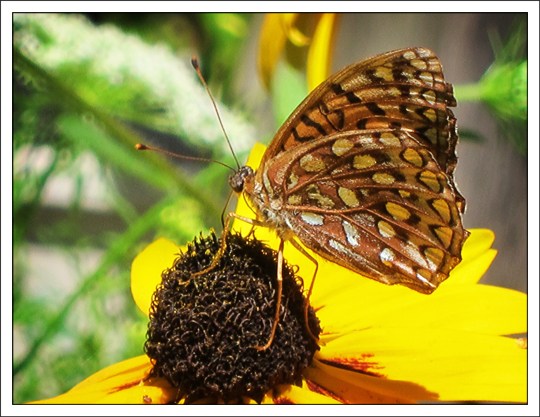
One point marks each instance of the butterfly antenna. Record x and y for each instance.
(195, 64)
(142, 147)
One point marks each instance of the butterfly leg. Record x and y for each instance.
(306, 302)
(223, 245)
(255, 222)
(278, 302)
(224, 209)
(224, 239)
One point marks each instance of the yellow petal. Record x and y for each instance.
(140, 395)
(137, 367)
(476, 257)
(478, 242)
(256, 155)
(469, 271)
(357, 305)
(277, 29)
(146, 270)
(345, 283)
(291, 394)
(122, 383)
(319, 59)
(456, 365)
(267, 399)
(335, 387)
(338, 287)
(271, 43)
(403, 391)
(251, 401)
(294, 35)
(478, 308)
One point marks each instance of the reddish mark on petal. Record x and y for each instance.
(323, 333)
(326, 392)
(125, 386)
(283, 400)
(359, 364)
(146, 399)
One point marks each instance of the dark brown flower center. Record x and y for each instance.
(202, 329)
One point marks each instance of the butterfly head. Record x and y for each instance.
(236, 181)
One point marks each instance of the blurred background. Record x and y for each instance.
(87, 87)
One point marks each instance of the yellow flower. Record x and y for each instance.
(379, 344)
(285, 31)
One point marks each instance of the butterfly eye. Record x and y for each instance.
(236, 181)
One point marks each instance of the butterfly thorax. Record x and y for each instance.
(264, 200)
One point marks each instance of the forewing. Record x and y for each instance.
(375, 201)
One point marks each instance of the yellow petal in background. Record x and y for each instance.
(294, 35)
(271, 43)
(319, 61)
(277, 29)
(146, 270)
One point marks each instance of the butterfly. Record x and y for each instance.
(362, 172)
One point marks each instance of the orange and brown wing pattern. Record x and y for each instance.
(403, 89)
(375, 201)
(362, 171)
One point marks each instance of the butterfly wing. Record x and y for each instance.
(374, 201)
(362, 171)
(403, 89)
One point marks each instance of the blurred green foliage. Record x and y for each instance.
(503, 87)
(85, 90)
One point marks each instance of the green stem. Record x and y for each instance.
(117, 250)
(468, 92)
